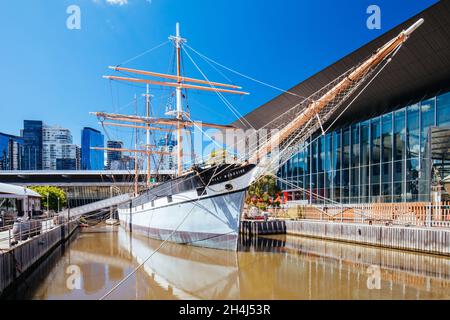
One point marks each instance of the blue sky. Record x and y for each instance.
(54, 74)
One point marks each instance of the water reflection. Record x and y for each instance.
(282, 267)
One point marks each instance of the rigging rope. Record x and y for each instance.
(144, 53)
(221, 96)
(388, 60)
(243, 75)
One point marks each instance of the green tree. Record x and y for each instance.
(54, 193)
(264, 192)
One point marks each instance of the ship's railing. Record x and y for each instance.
(23, 230)
(178, 185)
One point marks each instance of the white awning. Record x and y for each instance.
(13, 190)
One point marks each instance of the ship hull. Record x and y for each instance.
(209, 218)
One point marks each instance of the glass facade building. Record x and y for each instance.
(112, 156)
(167, 144)
(66, 164)
(32, 145)
(376, 160)
(11, 152)
(92, 159)
(57, 148)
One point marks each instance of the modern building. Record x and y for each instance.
(113, 155)
(92, 159)
(383, 148)
(124, 163)
(78, 158)
(59, 152)
(11, 152)
(82, 187)
(66, 164)
(166, 144)
(32, 145)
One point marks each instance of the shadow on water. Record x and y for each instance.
(261, 244)
(270, 267)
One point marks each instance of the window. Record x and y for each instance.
(346, 148)
(386, 138)
(337, 153)
(386, 149)
(314, 156)
(321, 155)
(354, 188)
(365, 162)
(443, 110)
(399, 153)
(426, 120)
(328, 159)
(412, 126)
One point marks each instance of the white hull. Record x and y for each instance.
(209, 220)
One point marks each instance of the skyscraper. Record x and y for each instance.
(92, 159)
(11, 152)
(78, 157)
(166, 144)
(66, 164)
(113, 155)
(32, 145)
(124, 163)
(59, 153)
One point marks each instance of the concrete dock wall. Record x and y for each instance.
(426, 240)
(22, 258)
(259, 227)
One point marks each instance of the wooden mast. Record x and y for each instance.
(133, 150)
(179, 121)
(179, 113)
(160, 121)
(179, 85)
(172, 77)
(136, 170)
(147, 109)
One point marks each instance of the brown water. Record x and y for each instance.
(282, 267)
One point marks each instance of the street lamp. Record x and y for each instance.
(48, 211)
(58, 203)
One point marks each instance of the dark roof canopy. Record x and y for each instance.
(421, 68)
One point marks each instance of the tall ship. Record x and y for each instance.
(203, 203)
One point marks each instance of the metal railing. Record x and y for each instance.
(423, 214)
(21, 231)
